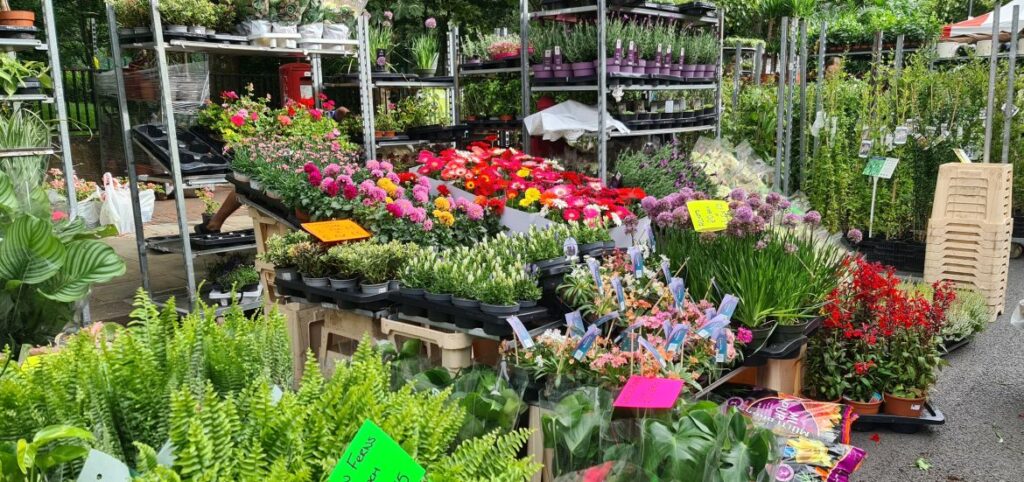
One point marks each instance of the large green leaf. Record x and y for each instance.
(88, 262)
(29, 252)
(8, 200)
(57, 432)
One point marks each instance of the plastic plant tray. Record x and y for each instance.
(196, 156)
(168, 35)
(7, 31)
(492, 325)
(219, 240)
(344, 299)
(929, 416)
(949, 346)
(222, 38)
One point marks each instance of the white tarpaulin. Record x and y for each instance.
(570, 120)
(982, 24)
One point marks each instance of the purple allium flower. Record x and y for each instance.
(754, 200)
(785, 204)
(681, 215)
(744, 214)
(761, 245)
(812, 218)
(738, 194)
(773, 198)
(790, 220)
(381, 61)
(649, 204)
(430, 23)
(855, 236)
(766, 211)
(664, 219)
(790, 248)
(631, 222)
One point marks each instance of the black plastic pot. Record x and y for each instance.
(551, 263)
(527, 303)
(464, 322)
(591, 248)
(760, 336)
(499, 310)
(785, 333)
(465, 303)
(30, 86)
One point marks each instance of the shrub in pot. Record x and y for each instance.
(279, 253)
(309, 260)
(498, 295)
(910, 368)
(342, 262)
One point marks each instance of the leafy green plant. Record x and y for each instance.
(278, 248)
(14, 72)
(309, 259)
(424, 51)
(23, 129)
(239, 277)
(131, 13)
(188, 12)
(32, 461)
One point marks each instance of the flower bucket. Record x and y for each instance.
(902, 407)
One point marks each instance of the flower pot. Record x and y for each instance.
(499, 310)
(390, 133)
(411, 292)
(124, 32)
(527, 304)
(591, 248)
(653, 70)
(589, 72)
(287, 273)
(30, 86)
(863, 408)
(18, 18)
(301, 215)
(625, 69)
(688, 70)
(785, 333)
(439, 298)
(373, 288)
(614, 68)
(610, 244)
(378, 134)
(902, 407)
(760, 335)
(465, 303)
(197, 29)
(207, 217)
(255, 184)
(394, 285)
(344, 284)
(562, 72)
(552, 262)
(177, 28)
(666, 70)
(274, 195)
(315, 282)
(543, 74)
(425, 73)
(947, 50)
(983, 48)
(243, 178)
(582, 65)
(464, 322)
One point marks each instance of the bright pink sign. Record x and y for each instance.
(642, 392)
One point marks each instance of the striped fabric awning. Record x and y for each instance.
(982, 24)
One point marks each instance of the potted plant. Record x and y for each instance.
(382, 41)
(498, 295)
(342, 262)
(23, 76)
(15, 18)
(372, 265)
(311, 25)
(210, 205)
(910, 368)
(279, 248)
(424, 50)
(863, 383)
(309, 260)
(184, 16)
(385, 121)
(826, 377)
(240, 279)
(528, 292)
(337, 23)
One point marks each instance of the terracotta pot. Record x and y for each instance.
(903, 407)
(863, 408)
(471, 118)
(389, 133)
(18, 18)
(506, 118)
(302, 215)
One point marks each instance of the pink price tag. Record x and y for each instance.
(642, 392)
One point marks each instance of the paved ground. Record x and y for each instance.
(981, 393)
(112, 301)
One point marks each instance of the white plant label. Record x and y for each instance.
(888, 168)
(865, 149)
(900, 137)
(103, 467)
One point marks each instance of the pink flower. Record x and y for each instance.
(230, 95)
(316, 114)
(591, 212)
(428, 225)
(284, 120)
(330, 187)
(315, 178)
(58, 216)
(332, 170)
(387, 166)
(430, 23)
(350, 191)
(238, 120)
(372, 164)
(571, 214)
(855, 236)
(418, 215)
(790, 248)
(254, 116)
(812, 218)
(475, 212)
(744, 335)
(388, 14)
(421, 193)
(395, 210)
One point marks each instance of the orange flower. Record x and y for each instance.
(547, 198)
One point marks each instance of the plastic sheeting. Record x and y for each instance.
(568, 120)
(190, 85)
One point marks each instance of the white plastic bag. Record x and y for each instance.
(88, 208)
(117, 205)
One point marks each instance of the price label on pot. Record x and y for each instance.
(643, 392)
(708, 216)
(336, 231)
(373, 455)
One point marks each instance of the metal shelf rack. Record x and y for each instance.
(162, 47)
(601, 10)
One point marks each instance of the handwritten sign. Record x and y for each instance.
(708, 216)
(336, 231)
(643, 392)
(373, 455)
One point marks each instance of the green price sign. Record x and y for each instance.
(874, 167)
(374, 456)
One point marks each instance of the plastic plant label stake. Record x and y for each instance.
(373, 455)
(888, 167)
(678, 289)
(865, 149)
(570, 248)
(574, 321)
(166, 454)
(588, 340)
(637, 258)
(604, 319)
(712, 327)
(275, 395)
(651, 241)
(708, 216)
(653, 351)
(643, 392)
(595, 271)
(874, 167)
(728, 306)
(666, 269)
(520, 331)
(619, 294)
(336, 231)
(678, 337)
(961, 156)
(104, 467)
(629, 329)
(723, 347)
(901, 134)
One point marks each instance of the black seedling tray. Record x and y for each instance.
(474, 318)
(344, 299)
(273, 205)
(698, 9)
(497, 124)
(440, 78)
(397, 137)
(24, 33)
(929, 416)
(218, 240)
(491, 64)
(194, 37)
(197, 157)
(949, 346)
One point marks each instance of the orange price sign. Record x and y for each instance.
(336, 231)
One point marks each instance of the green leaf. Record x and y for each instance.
(30, 253)
(87, 262)
(26, 456)
(8, 200)
(60, 455)
(57, 432)
(922, 464)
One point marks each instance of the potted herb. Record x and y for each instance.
(424, 50)
(240, 279)
(183, 16)
(15, 18)
(385, 121)
(309, 260)
(23, 76)
(528, 292)
(910, 369)
(342, 262)
(372, 265)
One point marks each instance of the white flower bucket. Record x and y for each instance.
(983, 48)
(947, 50)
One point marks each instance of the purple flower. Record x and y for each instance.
(388, 14)
(790, 248)
(790, 220)
(766, 211)
(761, 245)
(649, 204)
(812, 218)
(381, 61)
(754, 200)
(664, 219)
(738, 194)
(773, 198)
(785, 204)
(631, 222)
(430, 23)
(855, 236)
(744, 335)
(744, 214)
(681, 215)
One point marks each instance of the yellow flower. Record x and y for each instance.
(533, 194)
(526, 201)
(388, 200)
(523, 172)
(442, 204)
(444, 217)
(387, 185)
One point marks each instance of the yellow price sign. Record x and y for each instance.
(709, 216)
(336, 231)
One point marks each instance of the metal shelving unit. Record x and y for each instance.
(601, 11)
(162, 47)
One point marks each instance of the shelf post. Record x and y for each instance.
(803, 103)
(453, 70)
(993, 67)
(366, 87)
(737, 68)
(780, 71)
(791, 62)
(602, 89)
(524, 67)
(758, 63)
(167, 105)
(1011, 78)
(62, 109)
(818, 97)
(720, 71)
(126, 143)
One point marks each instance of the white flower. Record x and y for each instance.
(540, 361)
(616, 219)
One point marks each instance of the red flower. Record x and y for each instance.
(572, 214)
(875, 438)
(443, 190)
(406, 177)
(350, 191)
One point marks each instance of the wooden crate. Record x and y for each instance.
(973, 192)
(452, 350)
